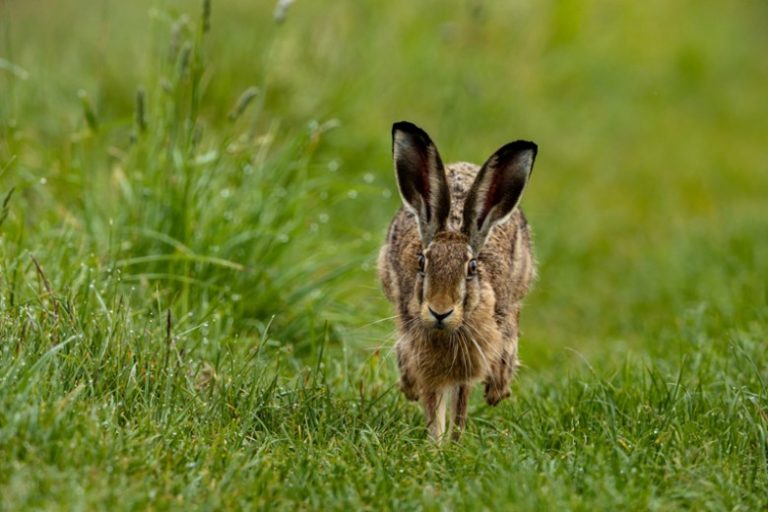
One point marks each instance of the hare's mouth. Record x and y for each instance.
(440, 321)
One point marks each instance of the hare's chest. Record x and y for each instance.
(457, 359)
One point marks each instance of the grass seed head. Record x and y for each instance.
(242, 103)
(206, 16)
(173, 45)
(281, 10)
(141, 114)
(88, 112)
(184, 55)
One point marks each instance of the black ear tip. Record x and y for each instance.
(515, 148)
(412, 130)
(525, 145)
(405, 126)
(530, 145)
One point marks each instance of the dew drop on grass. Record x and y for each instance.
(352, 194)
(386, 193)
(323, 217)
(283, 238)
(43, 181)
(333, 165)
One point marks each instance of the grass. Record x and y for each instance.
(191, 207)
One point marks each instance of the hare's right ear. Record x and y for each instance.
(421, 178)
(497, 190)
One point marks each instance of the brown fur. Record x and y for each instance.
(479, 342)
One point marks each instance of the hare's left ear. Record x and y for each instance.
(421, 179)
(497, 190)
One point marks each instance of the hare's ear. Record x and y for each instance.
(497, 190)
(421, 178)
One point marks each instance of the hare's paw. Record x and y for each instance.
(408, 387)
(495, 392)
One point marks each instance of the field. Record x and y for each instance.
(192, 197)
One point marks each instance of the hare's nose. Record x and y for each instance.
(440, 316)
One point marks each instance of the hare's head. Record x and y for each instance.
(449, 275)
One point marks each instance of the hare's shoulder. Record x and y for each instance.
(509, 260)
(403, 240)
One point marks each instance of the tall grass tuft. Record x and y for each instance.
(209, 224)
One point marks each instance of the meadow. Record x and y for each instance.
(192, 197)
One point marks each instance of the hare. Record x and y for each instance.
(457, 262)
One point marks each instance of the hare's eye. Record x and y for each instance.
(472, 267)
(422, 261)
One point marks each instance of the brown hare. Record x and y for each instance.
(457, 262)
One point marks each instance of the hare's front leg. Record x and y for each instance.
(460, 403)
(434, 410)
(497, 383)
(505, 366)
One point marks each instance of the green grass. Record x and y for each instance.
(189, 313)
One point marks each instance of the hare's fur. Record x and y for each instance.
(481, 344)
